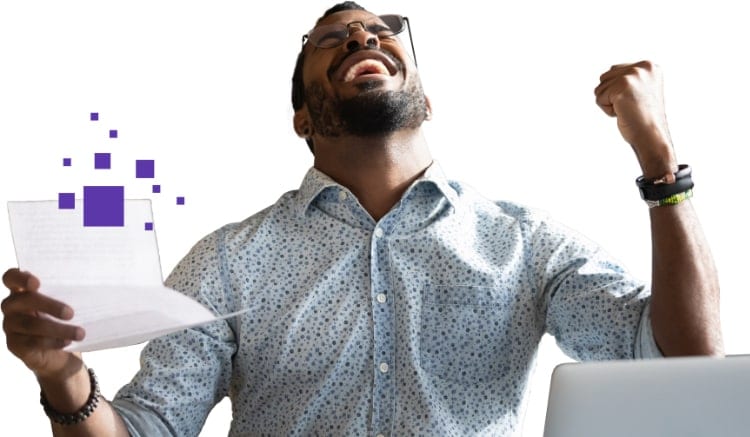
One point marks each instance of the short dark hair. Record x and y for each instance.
(298, 86)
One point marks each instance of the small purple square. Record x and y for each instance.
(113, 133)
(103, 206)
(67, 162)
(156, 188)
(180, 200)
(94, 116)
(66, 201)
(144, 168)
(102, 160)
(148, 226)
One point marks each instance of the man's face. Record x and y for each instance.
(365, 86)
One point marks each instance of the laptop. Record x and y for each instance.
(695, 396)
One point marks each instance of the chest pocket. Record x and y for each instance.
(466, 332)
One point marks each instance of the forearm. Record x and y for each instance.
(685, 286)
(69, 395)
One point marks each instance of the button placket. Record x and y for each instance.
(383, 333)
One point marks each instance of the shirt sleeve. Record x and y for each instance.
(185, 374)
(594, 308)
(645, 345)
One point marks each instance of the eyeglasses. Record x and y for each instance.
(384, 26)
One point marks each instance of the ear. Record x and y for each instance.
(302, 124)
(428, 108)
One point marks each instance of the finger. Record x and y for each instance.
(18, 281)
(31, 303)
(29, 325)
(614, 70)
(604, 100)
(625, 69)
(22, 345)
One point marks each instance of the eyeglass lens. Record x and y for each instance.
(332, 35)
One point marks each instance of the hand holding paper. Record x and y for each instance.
(110, 276)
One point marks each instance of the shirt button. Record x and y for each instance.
(383, 367)
(381, 298)
(378, 232)
(342, 195)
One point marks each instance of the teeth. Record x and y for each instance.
(365, 66)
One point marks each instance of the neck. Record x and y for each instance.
(375, 169)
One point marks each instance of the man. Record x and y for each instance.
(384, 298)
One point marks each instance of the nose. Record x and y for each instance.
(360, 37)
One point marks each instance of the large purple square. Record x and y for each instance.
(102, 160)
(144, 168)
(66, 201)
(103, 206)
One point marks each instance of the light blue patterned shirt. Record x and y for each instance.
(426, 322)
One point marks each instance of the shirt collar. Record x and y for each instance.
(434, 175)
(315, 182)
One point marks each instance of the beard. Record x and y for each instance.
(370, 113)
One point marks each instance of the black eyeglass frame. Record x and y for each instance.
(306, 37)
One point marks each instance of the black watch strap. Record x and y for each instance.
(656, 189)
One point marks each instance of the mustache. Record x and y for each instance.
(385, 53)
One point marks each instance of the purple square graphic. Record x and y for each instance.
(94, 116)
(144, 168)
(102, 160)
(67, 162)
(103, 206)
(156, 188)
(66, 201)
(180, 200)
(148, 226)
(113, 133)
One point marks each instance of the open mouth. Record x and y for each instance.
(365, 67)
(365, 63)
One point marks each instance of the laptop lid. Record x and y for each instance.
(696, 396)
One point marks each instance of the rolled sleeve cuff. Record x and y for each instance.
(645, 344)
(140, 421)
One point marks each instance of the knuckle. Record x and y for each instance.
(631, 79)
(646, 64)
(11, 304)
(6, 303)
(9, 275)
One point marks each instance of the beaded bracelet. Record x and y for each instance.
(674, 199)
(80, 415)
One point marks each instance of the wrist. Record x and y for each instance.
(80, 414)
(67, 391)
(655, 153)
(654, 166)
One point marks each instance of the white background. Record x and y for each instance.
(203, 88)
